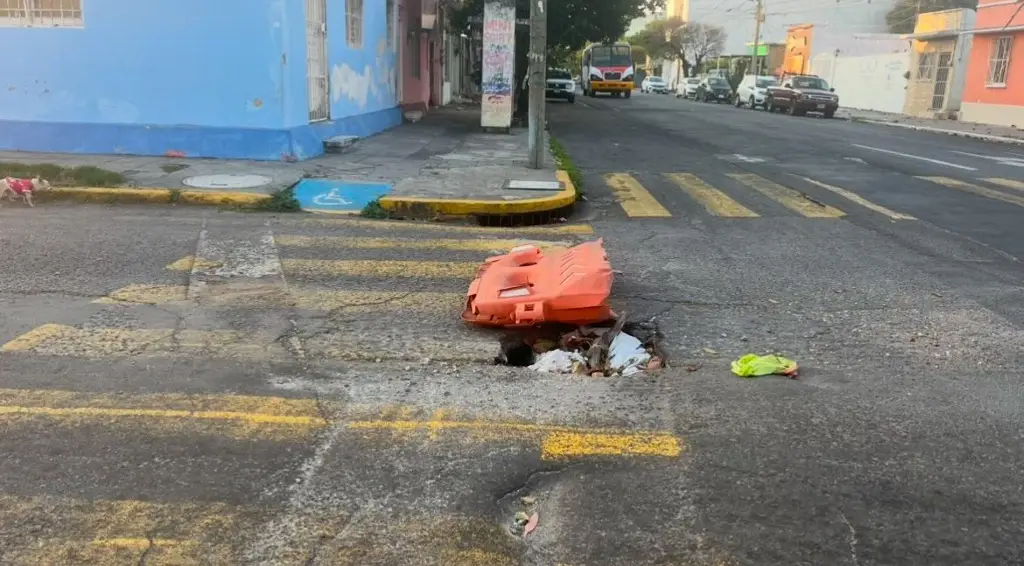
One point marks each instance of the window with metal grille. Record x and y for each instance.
(354, 22)
(926, 67)
(999, 61)
(41, 13)
(390, 15)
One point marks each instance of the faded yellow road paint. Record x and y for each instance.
(161, 413)
(382, 225)
(145, 295)
(62, 340)
(1008, 183)
(188, 263)
(380, 268)
(634, 198)
(713, 200)
(975, 189)
(793, 200)
(560, 445)
(860, 200)
(114, 532)
(557, 441)
(471, 245)
(303, 298)
(476, 557)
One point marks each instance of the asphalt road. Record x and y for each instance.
(189, 386)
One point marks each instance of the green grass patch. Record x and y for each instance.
(566, 164)
(81, 176)
(373, 209)
(280, 201)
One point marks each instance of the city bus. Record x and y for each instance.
(608, 68)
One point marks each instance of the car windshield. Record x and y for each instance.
(611, 56)
(561, 75)
(656, 80)
(809, 82)
(693, 81)
(765, 83)
(717, 82)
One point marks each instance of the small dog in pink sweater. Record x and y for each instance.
(23, 188)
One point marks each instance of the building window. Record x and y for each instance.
(41, 13)
(999, 61)
(390, 15)
(354, 22)
(926, 67)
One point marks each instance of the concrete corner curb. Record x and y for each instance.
(960, 133)
(427, 207)
(151, 196)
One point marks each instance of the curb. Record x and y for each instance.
(425, 207)
(958, 133)
(150, 196)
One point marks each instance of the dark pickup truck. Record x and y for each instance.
(800, 94)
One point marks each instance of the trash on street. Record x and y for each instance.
(753, 365)
(558, 361)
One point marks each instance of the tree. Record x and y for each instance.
(903, 16)
(690, 42)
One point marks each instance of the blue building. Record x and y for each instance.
(251, 79)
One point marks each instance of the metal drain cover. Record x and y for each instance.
(227, 181)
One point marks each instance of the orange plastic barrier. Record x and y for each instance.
(527, 287)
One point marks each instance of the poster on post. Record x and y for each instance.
(498, 65)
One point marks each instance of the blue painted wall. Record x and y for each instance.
(195, 77)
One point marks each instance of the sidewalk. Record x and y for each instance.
(442, 165)
(1003, 134)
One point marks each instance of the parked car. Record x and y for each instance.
(687, 88)
(560, 85)
(753, 91)
(655, 85)
(714, 89)
(800, 94)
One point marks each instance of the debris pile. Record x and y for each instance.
(622, 349)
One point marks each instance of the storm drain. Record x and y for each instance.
(227, 181)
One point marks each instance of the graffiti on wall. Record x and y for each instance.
(498, 65)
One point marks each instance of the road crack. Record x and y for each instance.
(853, 539)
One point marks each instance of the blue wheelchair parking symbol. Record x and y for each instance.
(326, 195)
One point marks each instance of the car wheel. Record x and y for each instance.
(793, 111)
(628, 94)
(829, 114)
(738, 101)
(753, 106)
(572, 100)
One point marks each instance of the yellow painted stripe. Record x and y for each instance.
(860, 200)
(188, 263)
(713, 200)
(488, 245)
(793, 200)
(634, 198)
(303, 298)
(562, 445)
(382, 225)
(975, 189)
(61, 340)
(380, 268)
(251, 418)
(1008, 183)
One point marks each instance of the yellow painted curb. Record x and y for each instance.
(151, 196)
(425, 207)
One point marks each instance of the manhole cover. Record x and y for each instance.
(227, 181)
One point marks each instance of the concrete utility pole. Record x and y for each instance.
(758, 18)
(538, 70)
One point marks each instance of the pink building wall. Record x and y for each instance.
(417, 93)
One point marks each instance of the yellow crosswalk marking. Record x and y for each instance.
(975, 189)
(793, 200)
(472, 245)
(60, 340)
(1008, 183)
(714, 201)
(634, 198)
(380, 268)
(303, 298)
(860, 200)
(382, 225)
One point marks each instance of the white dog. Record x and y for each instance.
(23, 188)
